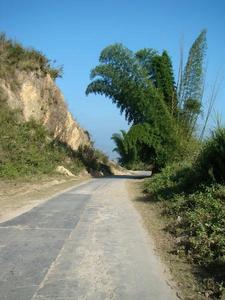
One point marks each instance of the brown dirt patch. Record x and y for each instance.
(19, 196)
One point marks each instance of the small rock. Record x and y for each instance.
(64, 171)
(179, 219)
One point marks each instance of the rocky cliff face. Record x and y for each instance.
(37, 97)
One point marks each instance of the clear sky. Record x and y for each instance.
(74, 32)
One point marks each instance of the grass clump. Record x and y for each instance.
(27, 149)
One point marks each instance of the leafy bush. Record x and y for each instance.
(204, 220)
(143, 146)
(147, 97)
(172, 179)
(94, 160)
(211, 160)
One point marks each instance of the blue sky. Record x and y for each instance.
(74, 32)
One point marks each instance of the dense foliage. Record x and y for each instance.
(211, 160)
(142, 86)
(191, 83)
(142, 145)
(144, 90)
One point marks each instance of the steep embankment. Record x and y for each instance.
(38, 98)
(38, 133)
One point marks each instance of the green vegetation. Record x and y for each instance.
(142, 86)
(141, 146)
(27, 149)
(192, 190)
(193, 194)
(191, 83)
(211, 160)
(127, 78)
(95, 161)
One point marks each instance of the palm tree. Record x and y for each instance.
(119, 140)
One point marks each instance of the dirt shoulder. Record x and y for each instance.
(182, 273)
(19, 196)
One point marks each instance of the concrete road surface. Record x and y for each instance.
(86, 243)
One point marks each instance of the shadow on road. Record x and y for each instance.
(132, 176)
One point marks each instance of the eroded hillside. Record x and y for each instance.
(27, 81)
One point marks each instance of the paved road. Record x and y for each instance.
(87, 243)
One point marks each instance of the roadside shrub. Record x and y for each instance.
(88, 157)
(171, 180)
(205, 226)
(210, 164)
(101, 156)
(94, 160)
(205, 166)
(202, 225)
